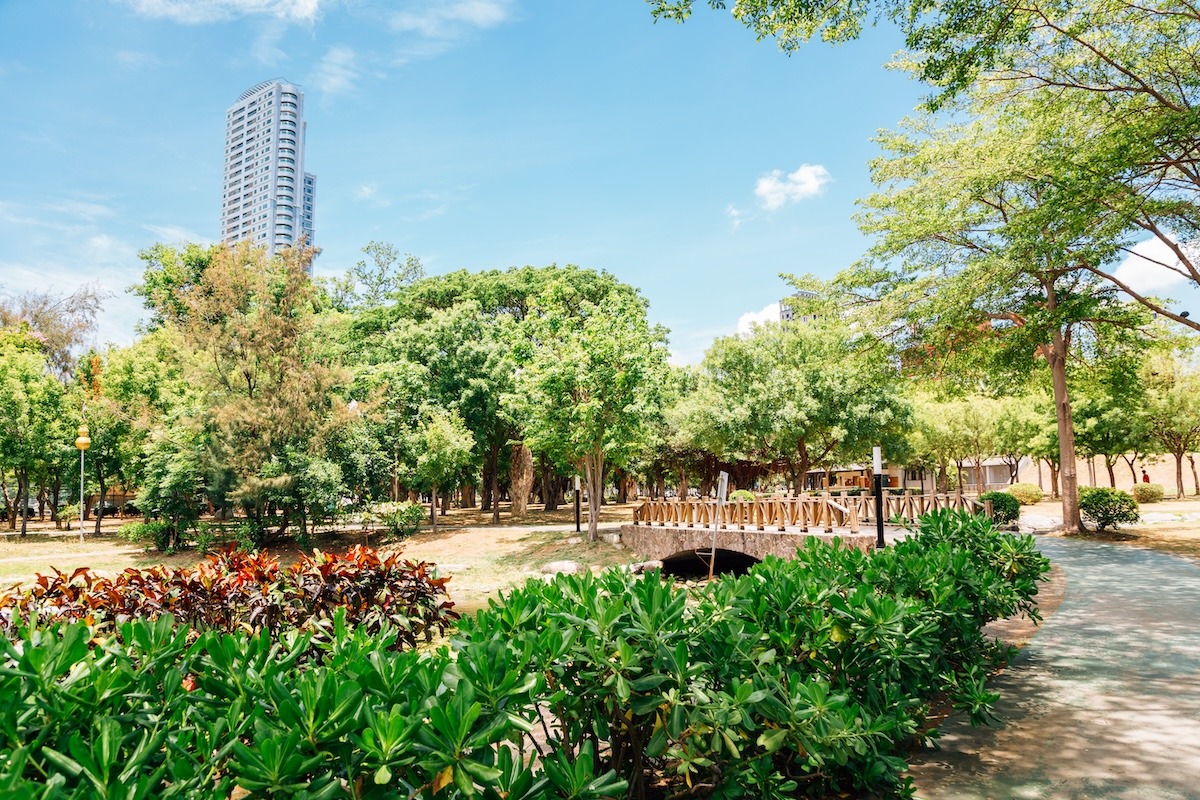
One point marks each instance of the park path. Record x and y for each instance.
(1104, 702)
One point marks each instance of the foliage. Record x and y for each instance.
(401, 519)
(155, 710)
(236, 591)
(1006, 507)
(1026, 493)
(589, 374)
(795, 396)
(814, 669)
(801, 676)
(1107, 507)
(741, 494)
(1148, 492)
(157, 534)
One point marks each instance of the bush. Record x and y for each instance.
(1107, 507)
(1148, 492)
(1026, 493)
(741, 494)
(400, 519)
(238, 591)
(157, 534)
(1005, 507)
(801, 678)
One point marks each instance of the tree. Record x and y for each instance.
(31, 420)
(442, 446)
(978, 272)
(1174, 412)
(589, 372)
(58, 322)
(800, 396)
(1120, 79)
(268, 397)
(374, 283)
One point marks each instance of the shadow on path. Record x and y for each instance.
(1105, 700)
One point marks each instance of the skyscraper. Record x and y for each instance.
(267, 197)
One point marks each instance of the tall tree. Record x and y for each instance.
(588, 372)
(798, 395)
(978, 269)
(1124, 77)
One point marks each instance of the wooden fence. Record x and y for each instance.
(807, 511)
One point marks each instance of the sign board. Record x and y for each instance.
(723, 486)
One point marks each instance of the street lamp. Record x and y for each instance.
(83, 442)
(877, 463)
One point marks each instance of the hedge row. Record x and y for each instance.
(802, 677)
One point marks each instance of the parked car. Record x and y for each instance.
(104, 508)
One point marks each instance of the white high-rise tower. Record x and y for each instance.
(267, 197)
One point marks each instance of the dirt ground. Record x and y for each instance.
(481, 558)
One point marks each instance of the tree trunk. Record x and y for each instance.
(1131, 460)
(683, 485)
(1057, 356)
(551, 485)
(100, 500)
(1195, 478)
(433, 501)
(9, 504)
(1092, 470)
(23, 498)
(1178, 475)
(521, 478)
(495, 487)
(1112, 476)
(593, 468)
(622, 486)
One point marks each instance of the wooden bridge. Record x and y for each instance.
(775, 524)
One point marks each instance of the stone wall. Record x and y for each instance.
(659, 543)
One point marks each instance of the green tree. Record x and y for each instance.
(32, 420)
(1113, 85)
(977, 271)
(386, 274)
(588, 374)
(800, 396)
(1173, 412)
(268, 396)
(442, 446)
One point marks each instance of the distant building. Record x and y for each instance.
(267, 197)
(787, 313)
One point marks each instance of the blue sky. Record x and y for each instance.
(690, 160)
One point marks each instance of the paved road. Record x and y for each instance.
(1105, 700)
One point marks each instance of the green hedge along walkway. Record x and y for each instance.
(1104, 702)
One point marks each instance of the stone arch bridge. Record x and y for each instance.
(773, 525)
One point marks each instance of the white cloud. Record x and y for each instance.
(448, 19)
(1143, 270)
(337, 71)
(196, 12)
(776, 190)
(747, 321)
(79, 211)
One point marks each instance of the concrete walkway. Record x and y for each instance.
(1105, 700)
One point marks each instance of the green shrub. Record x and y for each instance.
(401, 520)
(1148, 492)
(154, 533)
(1107, 507)
(741, 494)
(1026, 493)
(1005, 507)
(800, 678)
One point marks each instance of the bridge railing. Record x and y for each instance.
(806, 511)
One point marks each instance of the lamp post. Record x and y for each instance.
(83, 442)
(878, 465)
